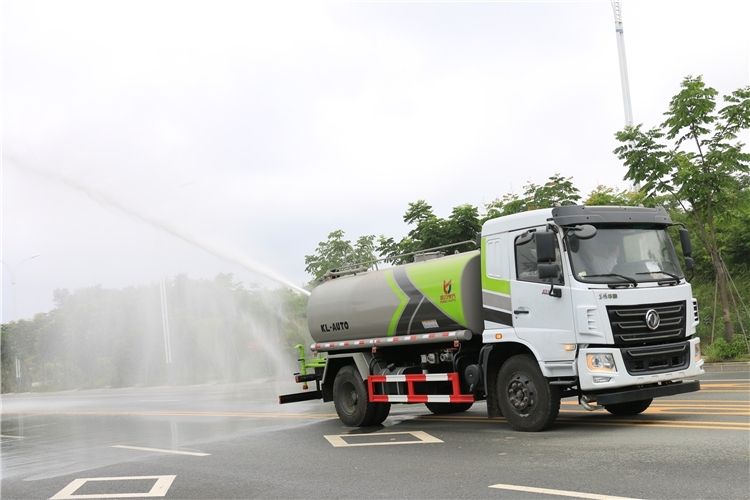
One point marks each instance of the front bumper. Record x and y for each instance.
(595, 381)
(658, 391)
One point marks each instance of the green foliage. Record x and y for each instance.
(733, 229)
(607, 196)
(430, 231)
(704, 173)
(220, 330)
(721, 350)
(558, 190)
(509, 204)
(338, 253)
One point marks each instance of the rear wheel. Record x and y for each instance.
(629, 408)
(381, 412)
(351, 400)
(446, 408)
(527, 401)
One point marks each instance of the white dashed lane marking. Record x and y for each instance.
(159, 450)
(562, 493)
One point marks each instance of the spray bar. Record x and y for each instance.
(422, 338)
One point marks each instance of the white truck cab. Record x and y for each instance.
(617, 313)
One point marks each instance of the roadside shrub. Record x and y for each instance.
(721, 350)
(739, 347)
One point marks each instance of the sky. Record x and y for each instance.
(143, 139)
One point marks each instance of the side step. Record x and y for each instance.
(410, 397)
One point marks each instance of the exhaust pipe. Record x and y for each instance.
(586, 401)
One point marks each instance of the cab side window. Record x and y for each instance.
(526, 264)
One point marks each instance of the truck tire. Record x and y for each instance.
(351, 399)
(383, 409)
(629, 408)
(527, 401)
(446, 408)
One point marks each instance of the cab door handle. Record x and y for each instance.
(521, 311)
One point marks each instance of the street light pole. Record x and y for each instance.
(13, 307)
(624, 81)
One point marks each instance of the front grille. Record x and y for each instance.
(629, 326)
(656, 359)
(696, 318)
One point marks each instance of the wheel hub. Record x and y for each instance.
(521, 392)
(350, 399)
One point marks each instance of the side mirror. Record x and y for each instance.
(548, 271)
(687, 251)
(545, 256)
(585, 231)
(687, 247)
(545, 246)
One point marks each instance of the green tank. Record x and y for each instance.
(437, 295)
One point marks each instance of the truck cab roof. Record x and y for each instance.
(571, 215)
(517, 221)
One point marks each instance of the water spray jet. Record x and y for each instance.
(226, 254)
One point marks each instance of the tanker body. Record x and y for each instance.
(575, 301)
(442, 294)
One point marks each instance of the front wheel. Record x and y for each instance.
(351, 400)
(629, 408)
(527, 401)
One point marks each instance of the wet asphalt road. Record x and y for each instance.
(235, 441)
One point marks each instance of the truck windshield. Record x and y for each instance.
(625, 255)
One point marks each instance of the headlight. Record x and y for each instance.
(601, 362)
(697, 351)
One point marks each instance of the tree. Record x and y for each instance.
(338, 253)
(558, 190)
(702, 170)
(431, 231)
(607, 196)
(507, 205)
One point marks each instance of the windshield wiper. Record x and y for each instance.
(630, 280)
(673, 276)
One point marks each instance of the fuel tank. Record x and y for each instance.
(438, 295)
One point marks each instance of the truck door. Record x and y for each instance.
(546, 322)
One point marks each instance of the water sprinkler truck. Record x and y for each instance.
(574, 301)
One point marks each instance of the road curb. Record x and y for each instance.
(739, 366)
